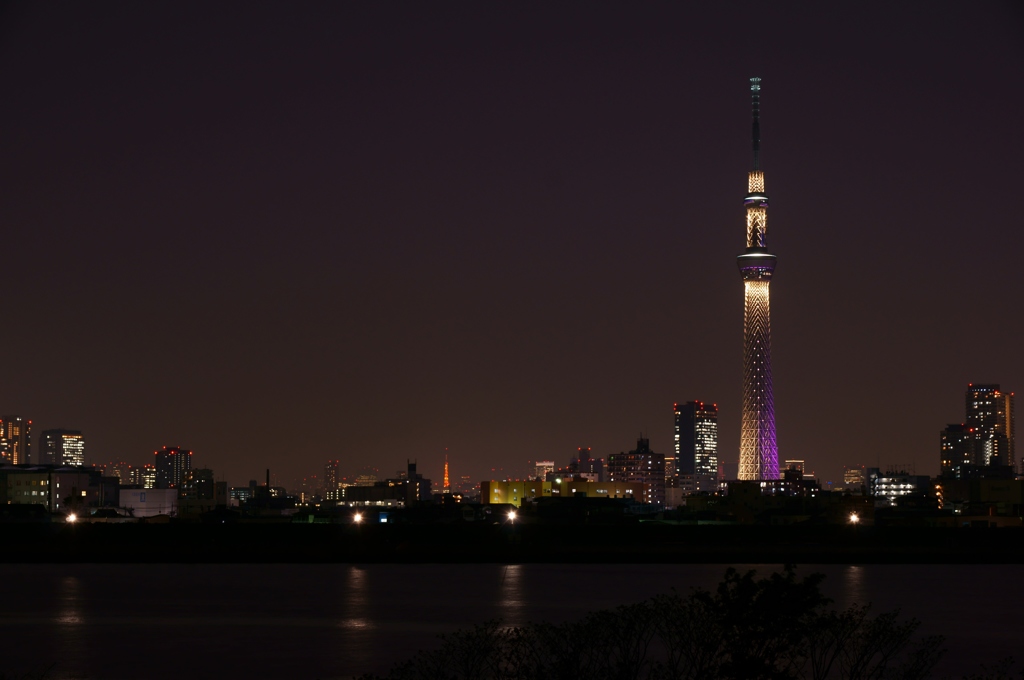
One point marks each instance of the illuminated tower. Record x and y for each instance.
(759, 453)
(446, 488)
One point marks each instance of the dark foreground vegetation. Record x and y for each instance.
(589, 543)
(775, 628)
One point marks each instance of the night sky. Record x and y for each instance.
(277, 233)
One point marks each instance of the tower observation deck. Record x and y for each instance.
(759, 453)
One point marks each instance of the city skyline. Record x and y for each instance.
(987, 437)
(518, 224)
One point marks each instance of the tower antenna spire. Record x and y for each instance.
(759, 452)
(755, 96)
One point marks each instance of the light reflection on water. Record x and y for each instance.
(71, 609)
(336, 621)
(70, 631)
(354, 600)
(854, 590)
(512, 596)
(355, 623)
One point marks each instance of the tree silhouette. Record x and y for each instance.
(775, 628)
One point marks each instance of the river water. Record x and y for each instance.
(170, 621)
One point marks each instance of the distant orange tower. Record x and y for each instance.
(447, 487)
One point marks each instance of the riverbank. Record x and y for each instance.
(507, 543)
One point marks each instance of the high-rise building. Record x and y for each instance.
(640, 465)
(172, 466)
(759, 453)
(145, 476)
(584, 465)
(310, 487)
(956, 444)
(990, 420)
(16, 440)
(125, 472)
(541, 468)
(62, 447)
(331, 476)
(696, 442)
(199, 484)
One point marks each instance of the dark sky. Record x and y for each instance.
(277, 233)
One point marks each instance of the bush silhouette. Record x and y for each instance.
(775, 628)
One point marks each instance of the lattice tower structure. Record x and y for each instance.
(759, 452)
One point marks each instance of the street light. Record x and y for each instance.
(357, 518)
(854, 518)
(71, 518)
(511, 515)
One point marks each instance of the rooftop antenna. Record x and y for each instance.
(755, 95)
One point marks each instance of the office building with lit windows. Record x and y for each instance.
(172, 466)
(145, 476)
(16, 440)
(696, 444)
(542, 468)
(516, 493)
(853, 478)
(62, 448)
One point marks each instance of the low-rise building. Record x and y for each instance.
(516, 492)
(58, 488)
(150, 502)
(992, 497)
(887, 487)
